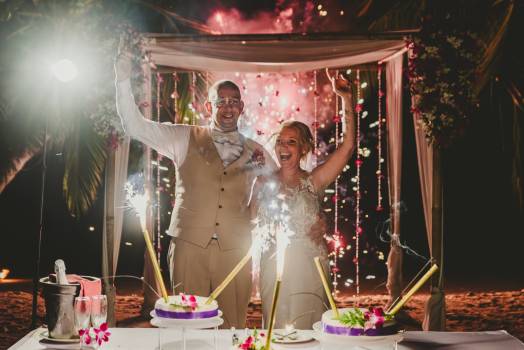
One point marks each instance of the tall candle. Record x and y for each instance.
(413, 290)
(272, 316)
(230, 277)
(326, 286)
(156, 267)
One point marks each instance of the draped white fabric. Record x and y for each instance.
(394, 130)
(431, 189)
(268, 55)
(121, 161)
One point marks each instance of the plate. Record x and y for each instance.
(356, 340)
(301, 337)
(48, 344)
(45, 335)
(195, 324)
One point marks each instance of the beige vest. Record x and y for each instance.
(213, 199)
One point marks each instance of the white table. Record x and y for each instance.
(149, 338)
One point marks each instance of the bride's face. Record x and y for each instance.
(287, 148)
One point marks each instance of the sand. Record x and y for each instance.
(466, 311)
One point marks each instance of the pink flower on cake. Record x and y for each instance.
(189, 301)
(374, 318)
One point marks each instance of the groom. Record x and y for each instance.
(215, 166)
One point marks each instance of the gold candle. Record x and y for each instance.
(229, 277)
(276, 292)
(152, 255)
(326, 286)
(413, 290)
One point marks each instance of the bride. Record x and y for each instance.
(290, 197)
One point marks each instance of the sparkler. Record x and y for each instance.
(140, 202)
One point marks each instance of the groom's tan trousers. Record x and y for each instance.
(201, 270)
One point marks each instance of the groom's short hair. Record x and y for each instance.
(212, 94)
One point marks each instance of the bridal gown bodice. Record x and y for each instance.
(301, 300)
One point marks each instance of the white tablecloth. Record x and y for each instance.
(171, 339)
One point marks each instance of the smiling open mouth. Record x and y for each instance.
(285, 156)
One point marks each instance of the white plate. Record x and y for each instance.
(45, 335)
(194, 324)
(355, 340)
(301, 337)
(59, 346)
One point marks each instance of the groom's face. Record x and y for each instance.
(226, 108)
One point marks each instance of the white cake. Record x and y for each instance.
(374, 326)
(186, 307)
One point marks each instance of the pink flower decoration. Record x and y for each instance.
(102, 333)
(190, 301)
(374, 318)
(84, 336)
(358, 108)
(247, 343)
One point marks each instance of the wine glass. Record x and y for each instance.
(82, 312)
(98, 310)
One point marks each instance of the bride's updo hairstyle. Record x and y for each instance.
(305, 138)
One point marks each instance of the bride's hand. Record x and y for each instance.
(341, 85)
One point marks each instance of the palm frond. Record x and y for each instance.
(85, 156)
(493, 41)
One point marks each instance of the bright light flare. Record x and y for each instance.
(4, 273)
(139, 202)
(282, 243)
(64, 70)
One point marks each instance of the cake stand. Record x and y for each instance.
(185, 324)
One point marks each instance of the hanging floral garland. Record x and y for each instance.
(441, 72)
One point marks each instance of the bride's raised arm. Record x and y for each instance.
(327, 172)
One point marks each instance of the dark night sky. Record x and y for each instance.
(483, 229)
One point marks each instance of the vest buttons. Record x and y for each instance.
(220, 206)
(222, 189)
(225, 172)
(216, 224)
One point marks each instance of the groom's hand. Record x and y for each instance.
(123, 62)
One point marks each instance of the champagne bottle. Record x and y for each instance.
(60, 272)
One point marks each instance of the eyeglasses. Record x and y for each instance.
(221, 102)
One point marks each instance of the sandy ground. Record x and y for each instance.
(466, 310)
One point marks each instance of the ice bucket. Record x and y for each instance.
(59, 311)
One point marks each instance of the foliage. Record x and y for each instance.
(442, 63)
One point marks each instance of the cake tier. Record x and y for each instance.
(330, 325)
(173, 308)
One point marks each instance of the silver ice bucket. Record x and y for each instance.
(59, 310)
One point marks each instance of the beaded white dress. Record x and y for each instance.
(302, 298)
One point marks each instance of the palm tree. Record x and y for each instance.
(82, 116)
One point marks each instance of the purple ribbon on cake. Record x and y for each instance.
(185, 315)
(350, 331)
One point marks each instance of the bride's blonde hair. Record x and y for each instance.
(305, 138)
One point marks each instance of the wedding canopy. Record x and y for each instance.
(285, 53)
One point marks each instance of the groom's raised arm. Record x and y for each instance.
(170, 140)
